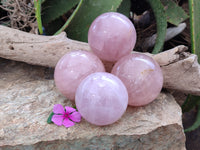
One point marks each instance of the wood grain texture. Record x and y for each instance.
(180, 69)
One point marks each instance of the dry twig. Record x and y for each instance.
(21, 14)
(180, 69)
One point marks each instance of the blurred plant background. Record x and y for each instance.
(160, 25)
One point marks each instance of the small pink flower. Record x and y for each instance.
(66, 116)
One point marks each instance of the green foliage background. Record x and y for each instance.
(55, 12)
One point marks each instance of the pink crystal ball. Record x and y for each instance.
(72, 68)
(101, 98)
(111, 36)
(142, 77)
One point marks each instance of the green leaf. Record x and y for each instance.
(194, 7)
(196, 123)
(69, 19)
(37, 6)
(52, 9)
(74, 107)
(54, 26)
(49, 118)
(161, 22)
(175, 14)
(190, 102)
(43, 1)
(125, 7)
(89, 10)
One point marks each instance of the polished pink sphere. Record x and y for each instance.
(111, 36)
(101, 98)
(142, 77)
(72, 68)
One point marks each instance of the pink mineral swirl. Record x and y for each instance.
(142, 77)
(101, 98)
(72, 68)
(112, 36)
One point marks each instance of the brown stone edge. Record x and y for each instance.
(165, 137)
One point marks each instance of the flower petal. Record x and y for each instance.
(58, 109)
(69, 109)
(68, 123)
(75, 116)
(58, 119)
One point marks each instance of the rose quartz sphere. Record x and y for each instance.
(142, 77)
(101, 98)
(111, 36)
(72, 68)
